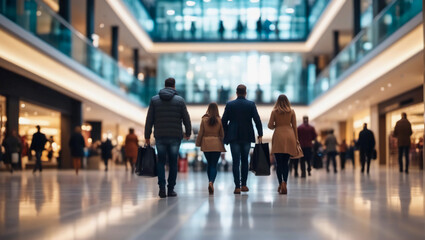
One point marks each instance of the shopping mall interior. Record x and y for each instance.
(97, 64)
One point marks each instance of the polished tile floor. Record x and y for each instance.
(117, 205)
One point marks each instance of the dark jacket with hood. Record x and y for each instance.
(167, 111)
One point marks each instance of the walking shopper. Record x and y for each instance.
(285, 138)
(167, 111)
(37, 144)
(210, 139)
(306, 134)
(12, 147)
(343, 153)
(131, 146)
(77, 144)
(331, 143)
(106, 148)
(403, 131)
(239, 132)
(366, 145)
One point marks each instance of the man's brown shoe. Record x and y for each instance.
(237, 191)
(283, 189)
(245, 189)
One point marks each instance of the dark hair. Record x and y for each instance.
(241, 90)
(38, 127)
(404, 115)
(212, 114)
(131, 130)
(170, 82)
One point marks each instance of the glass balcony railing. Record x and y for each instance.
(392, 18)
(223, 20)
(40, 20)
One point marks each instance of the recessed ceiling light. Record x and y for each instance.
(207, 0)
(88, 109)
(382, 89)
(190, 3)
(22, 105)
(170, 12)
(121, 48)
(357, 101)
(289, 10)
(102, 25)
(255, 1)
(389, 85)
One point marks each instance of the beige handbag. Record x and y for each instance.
(300, 153)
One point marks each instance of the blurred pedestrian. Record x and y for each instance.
(366, 145)
(77, 145)
(306, 134)
(331, 151)
(106, 148)
(131, 147)
(342, 153)
(403, 131)
(12, 147)
(37, 144)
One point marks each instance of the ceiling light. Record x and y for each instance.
(190, 3)
(102, 25)
(203, 58)
(121, 48)
(207, 1)
(35, 113)
(289, 10)
(38, 13)
(357, 101)
(22, 105)
(254, 1)
(382, 89)
(88, 109)
(170, 12)
(130, 70)
(288, 59)
(389, 85)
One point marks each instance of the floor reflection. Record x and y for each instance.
(118, 205)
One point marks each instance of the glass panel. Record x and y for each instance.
(43, 22)
(237, 20)
(205, 77)
(384, 25)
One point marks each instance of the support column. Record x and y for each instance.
(96, 130)
(356, 17)
(378, 6)
(136, 61)
(12, 113)
(336, 47)
(68, 123)
(77, 114)
(90, 20)
(65, 39)
(114, 42)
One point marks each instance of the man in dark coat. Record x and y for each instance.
(37, 144)
(106, 148)
(77, 145)
(239, 132)
(167, 111)
(306, 135)
(403, 131)
(366, 145)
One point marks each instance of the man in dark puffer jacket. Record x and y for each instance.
(166, 113)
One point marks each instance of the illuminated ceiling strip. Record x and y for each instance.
(399, 52)
(22, 55)
(144, 39)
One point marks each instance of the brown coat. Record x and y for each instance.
(210, 138)
(285, 136)
(131, 145)
(403, 131)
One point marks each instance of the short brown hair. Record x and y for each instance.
(170, 82)
(241, 89)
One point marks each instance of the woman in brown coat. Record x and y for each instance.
(285, 138)
(131, 146)
(210, 139)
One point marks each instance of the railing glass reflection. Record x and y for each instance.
(384, 25)
(223, 20)
(44, 23)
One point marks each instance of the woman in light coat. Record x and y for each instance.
(285, 139)
(210, 139)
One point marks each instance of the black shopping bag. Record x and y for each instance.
(260, 161)
(146, 162)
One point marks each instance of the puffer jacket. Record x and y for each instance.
(167, 111)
